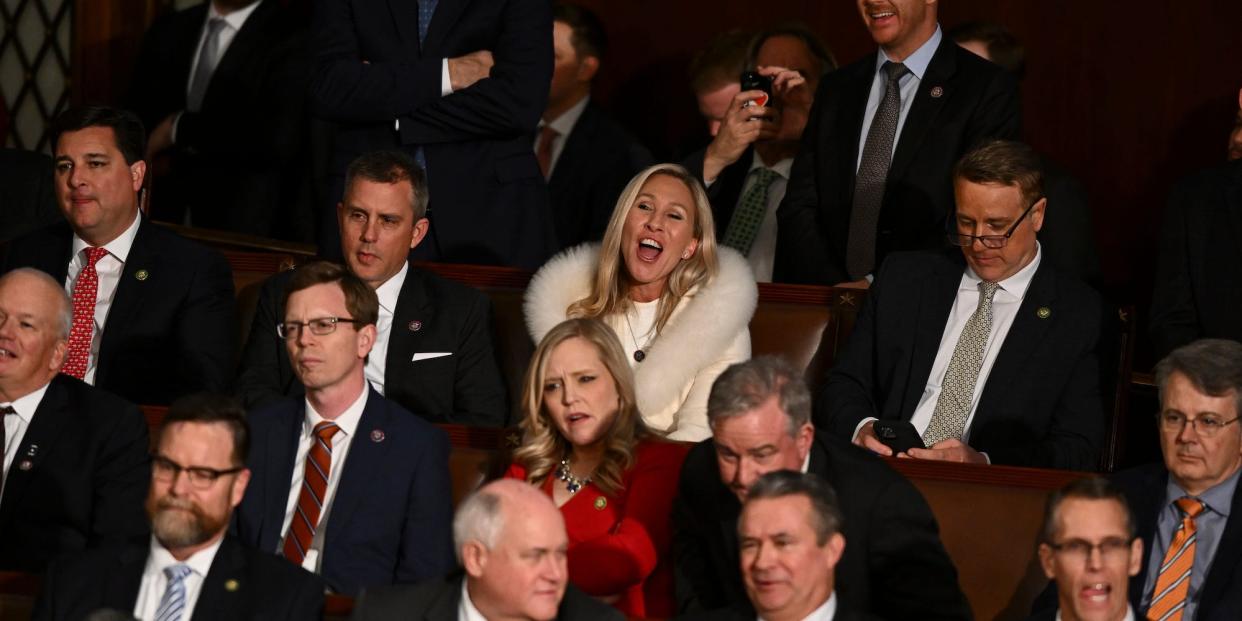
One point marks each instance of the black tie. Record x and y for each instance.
(4, 413)
(877, 155)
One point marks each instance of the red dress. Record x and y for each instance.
(621, 544)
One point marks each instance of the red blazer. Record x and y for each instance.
(621, 544)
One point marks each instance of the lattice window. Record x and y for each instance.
(35, 40)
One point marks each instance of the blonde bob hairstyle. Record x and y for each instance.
(543, 446)
(610, 289)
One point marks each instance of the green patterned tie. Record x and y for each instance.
(958, 390)
(744, 224)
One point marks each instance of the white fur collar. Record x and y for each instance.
(701, 328)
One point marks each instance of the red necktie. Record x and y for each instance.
(547, 136)
(84, 296)
(310, 500)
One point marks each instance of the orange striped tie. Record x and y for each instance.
(311, 498)
(1173, 583)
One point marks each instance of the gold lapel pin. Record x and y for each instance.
(142, 274)
(1044, 312)
(231, 585)
(600, 503)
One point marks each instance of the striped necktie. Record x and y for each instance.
(172, 605)
(311, 498)
(1173, 584)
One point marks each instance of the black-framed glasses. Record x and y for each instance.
(1112, 549)
(319, 326)
(165, 469)
(990, 241)
(1206, 425)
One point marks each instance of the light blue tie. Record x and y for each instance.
(426, 8)
(173, 602)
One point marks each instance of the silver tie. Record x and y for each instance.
(957, 391)
(206, 65)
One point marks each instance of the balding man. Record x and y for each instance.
(511, 543)
(75, 463)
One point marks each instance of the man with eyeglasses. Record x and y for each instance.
(1187, 509)
(1089, 550)
(190, 568)
(990, 353)
(345, 483)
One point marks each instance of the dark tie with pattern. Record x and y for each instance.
(4, 415)
(547, 139)
(744, 224)
(877, 155)
(426, 9)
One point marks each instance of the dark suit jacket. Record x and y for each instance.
(1041, 404)
(27, 196)
(1067, 237)
(977, 100)
(172, 328)
(264, 586)
(726, 189)
(464, 388)
(1199, 272)
(78, 479)
(746, 614)
(1221, 596)
(598, 160)
(238, 160)
(438, 599)
(391, 518)
(489, 203)
(894, 564)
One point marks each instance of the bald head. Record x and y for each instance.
(35, 315)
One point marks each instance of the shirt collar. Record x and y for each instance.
(391, 289)
(236, 19)
(1129, 614)
(564, 123)
(118, 247)
(466, 611)
(781, 168)
(826, 611)
(200, 561)
(347, 421)
(26, 405)
(917, 62)
(1014, 286)
(1218, 498)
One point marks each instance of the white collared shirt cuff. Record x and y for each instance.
(446, 81)
(860, 425)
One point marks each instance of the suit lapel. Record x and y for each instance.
(577, 151)
(446, 603)
(1233, 205)
(925, 108)
(278, 464)
(403, 339)
(442, 22)
(247, 41)
(1225, 563)
(51, 420)
(1146, 511)
(1024, 336)
(120, 587)
(186, 45)
(936, 302)
(225, 585)
(405, 16)
(366, 458)
(853, 114)
(132, 291)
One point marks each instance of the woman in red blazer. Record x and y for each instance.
(614, 480)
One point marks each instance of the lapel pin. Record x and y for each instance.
(25, 464)
(377, 435)
(142, 274)
(1044, 312)
(937, 92)
(32, 451)
(600, 503)
(416, 325)
(231, 585)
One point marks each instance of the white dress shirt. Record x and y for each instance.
(15, 426)
(154, 582)
(1129, 614)
(917, 64)
(826, 612)
(466, 610)
(109, 268)
(563, 124)
(348, 423)
(377, 359)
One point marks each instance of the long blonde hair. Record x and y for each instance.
(543, 446)
(610, 289)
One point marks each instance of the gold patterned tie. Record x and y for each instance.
(1173, 584)
(958, 389)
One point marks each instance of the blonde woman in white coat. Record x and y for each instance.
(680, 305)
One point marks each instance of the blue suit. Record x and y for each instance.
(391, 518)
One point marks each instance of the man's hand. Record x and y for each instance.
(793, 98)
(867, 439)
(464, 71)
(161, 137)
(949, 450)
(741, 126)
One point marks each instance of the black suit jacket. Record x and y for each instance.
(1067, 237)
(438, 599)
(739, 614)
(238, 160)
(1199, 272)
(27, 197)
(1221, 595)
(171, 330)
(598, 160)
(1041, 403)
(391, 518)
(726, 189)
(78, 479)
(894, 564)
(489, 202)
(242, 583)
(977, 100)
(433, 315)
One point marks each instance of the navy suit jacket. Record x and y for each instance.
(171, 330)
(489, 202)
(1041, 404)
(391, 518)
(243, 583)
(961, 100)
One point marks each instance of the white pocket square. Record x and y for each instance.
(431, 354)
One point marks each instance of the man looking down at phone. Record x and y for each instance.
(990, 354)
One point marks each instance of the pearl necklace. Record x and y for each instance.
(572, 483)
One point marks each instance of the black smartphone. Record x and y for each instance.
(898, 435)
(752, 81)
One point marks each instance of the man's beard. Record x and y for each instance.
(179, 523)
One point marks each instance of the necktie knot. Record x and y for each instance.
(988, 289)
(547, 133)
(6, 410)
(177, 573)
(93, 255)
(215, 25)
(764, 176)
(325, 430)
(895, 71)
(1191, 507)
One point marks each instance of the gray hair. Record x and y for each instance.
(479, 518)
(1213, 366)
(825, 516)
(747, 385)
(65, 314)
